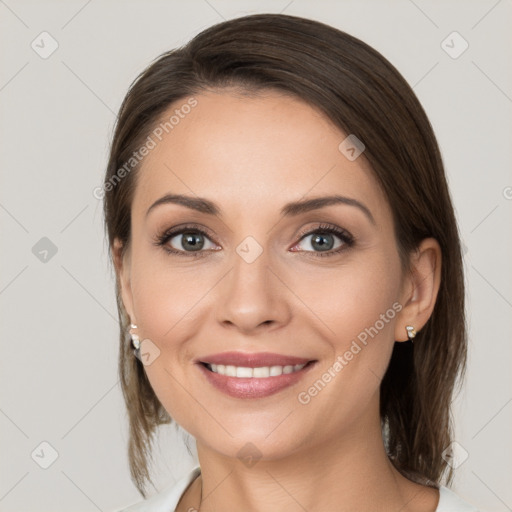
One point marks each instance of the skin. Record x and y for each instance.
(251, 155)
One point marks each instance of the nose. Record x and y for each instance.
(252, 297)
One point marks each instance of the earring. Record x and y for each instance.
(411, 333)
(135, 337)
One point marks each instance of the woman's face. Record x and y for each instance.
(256, 282)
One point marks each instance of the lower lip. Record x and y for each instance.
(254, 387)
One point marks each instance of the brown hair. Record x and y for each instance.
(363, 94)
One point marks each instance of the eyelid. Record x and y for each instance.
(326, 228)
(182, 228)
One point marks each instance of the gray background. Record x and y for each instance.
(58, 377)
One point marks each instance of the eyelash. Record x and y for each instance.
(347, 239)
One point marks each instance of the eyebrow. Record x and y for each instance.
(290, 209)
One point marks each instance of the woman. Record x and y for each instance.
(289, 274)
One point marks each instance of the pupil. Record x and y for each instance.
(321, 241)
(190, 240)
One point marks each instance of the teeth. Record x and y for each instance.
(244, 372)
(258, 373)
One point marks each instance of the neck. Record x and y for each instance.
(349, 473)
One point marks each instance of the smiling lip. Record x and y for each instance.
(252, 387)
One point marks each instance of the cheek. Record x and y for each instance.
(164, 294)
(353, 298)
(359, 304)
(170, 301)
(165, 301)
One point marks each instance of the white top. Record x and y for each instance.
(167, 499)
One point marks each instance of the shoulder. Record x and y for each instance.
(167, 499)
(449, 501)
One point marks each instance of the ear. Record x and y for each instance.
(420, 288)
(122, 265)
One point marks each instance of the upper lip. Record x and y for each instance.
(252, 360)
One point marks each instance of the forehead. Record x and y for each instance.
(251, 152)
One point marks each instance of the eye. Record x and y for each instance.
(325, 240)
(191, 241)
(186, 241)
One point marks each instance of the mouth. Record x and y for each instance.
(253, 382)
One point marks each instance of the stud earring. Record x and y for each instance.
(411, 333)
(135, 337)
